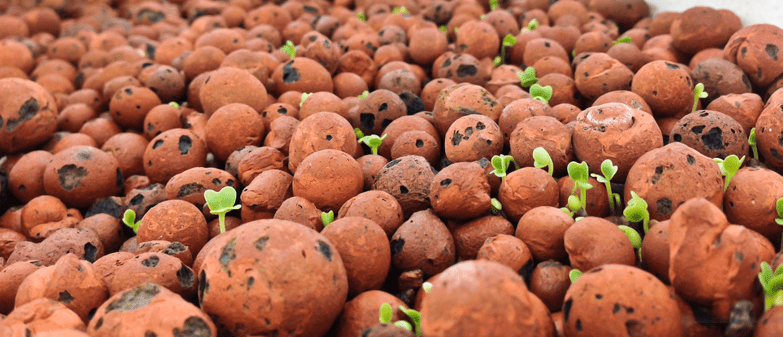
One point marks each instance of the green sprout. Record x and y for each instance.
(415, 316)
(633, 235)
(772, 284)
(542, 159)
(579, 173)
(508, 41)
(426, 286)
(572, 206)
(129, 219)
(625, 39)
(493, 5)
(400, 10)
(358, 132)
(608, 170)
(637, 211)
(495, 206)
(531, 26)
(540, 93)
(752, 143)
(290, 49)
(698, 92)
(456, 30)
(574, 275)
(373, 141)
(361, 16)
(573, 53)
(386, 313)
(305, 96)
(444, 30)
(779, 211)
(501, 164)
(174, 104)
(221, 203)
(729, 167)
(527, 77)
(364, 94)
(327, 218)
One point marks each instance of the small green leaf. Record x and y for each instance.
(443, 29)
(730, 166)
(608, 169)
(129, 219)
(400, 10)
(578, 171)
(542, 159)
(223, 201)
(426, 286)
(495, 206)
(752, 143)
(456, 30)
(327, 218)
(698, 93)
(531, 26)
(509, 40)
(632, 235)
(501, 163)
(305, 96)
(527, 77)
(540, 93)
(625, 39)
(779, 221)
(364, 94)
(574, 275)
(779, 207)
(361, 17)
(497, 61)
(574, 204)
(386, 313)
(403, 324)
(174, 104)
(720, 166)
(290, 49)
(358, 132)
(373, 141)
(637, 210)
(493, 5)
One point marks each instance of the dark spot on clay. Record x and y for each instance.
(743, 51)
(672, 65)
(738, 256)
(392, 163)
(746, 81)
(99, 323)
(89, 252)
(567, 309)
(772, 50)
(282, 110)
(383, 107)
(655, 93)
(396, 246)
(780, 139)
(261, 242)
(227, 254)
(136, 200)
(203, 285)
(480, 126)
(185, 143)
(546, 44)
(250, 282)
(83, 155)
(325, 250)
(466, 70)
(290, 74)
(22, 188)
(677, 137)
(150, 15)
(634, 328)
(26, 112)
(157, 144)
(456, 139)
(445, 182)
(367, 120)
(775, 154)
(697, 129)
(691, 160)
(664, 206)
(446, 63)
(216, 181)
(151, 262)
(468, 133)
(713, 139)
(599, 296)
(419, 143)
(65, 297)
(616, 308)
(329, 137)
(135, 298)
(185, 276)
(174, 248)
(70, 176)
(190, 189)
(527, 270)
(403, 189)
(578, 325)
(194, 327)
(657, 176)
(385, 122)
(483, 162)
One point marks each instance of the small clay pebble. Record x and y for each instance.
(461, 100)
(712, 133)
(82, 242)
(720, 77)
(372, 164)
(26, 177)
(302, 211)
(744, 108)
(258, 160)
(319, 175)
(460, 191)
(11, 276)
(322, 130)
(107, 265)
(473, 137)
(174, 249)
(549, 281)
(191, 184)
(361, 313)
(129, 149)
(125, 312)
(592, 242)
(655, 250)
(365, 251)
(546, 132)
(264, 195)
(130, 105)
(41, 315)
(231, 85)
(408, 179)
(599, 74)
(675, 98)
(470, 236)
(29, 113)
(230, 223)
(158, 268)
(240, 121)
(597, 200)
(175, 220)
(172, 152)
(508, 251)
(748, 200)
(378, 206)
(140, 200)
(108, 228)
(411, 249)
(406, 124)
(525, 189)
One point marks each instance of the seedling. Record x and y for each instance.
(456, 30)
(772, 284)
(527, 77)
(495, 206)
(540, 93)
(386, 315)
(698, 92)
(129, 219)
(400, 10)
(625, 39)
(637, 211)
(542, 159)
(358, 132)
(508, 41)
(305, 96)
(531, 26)
(779, 211)
(221, 203)
(444, 30)
(426, 286)
(579, 173)
(327, 218)
(608, 170)
(574, 275)
(501, 164)
(729, 167)
(572, 206)
(373, 141)
(752, 143)
(636, 240)
(290, 49)
(174, 104)
(493, 5)
(363, 94)
(415, 316)
(361, 16)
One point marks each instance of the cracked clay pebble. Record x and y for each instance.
(28, 115)
(620, 299)
(129, 312)
(247, 286)
(82, 174)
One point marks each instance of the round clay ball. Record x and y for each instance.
(80, 175)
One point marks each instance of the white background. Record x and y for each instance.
(750, 11)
